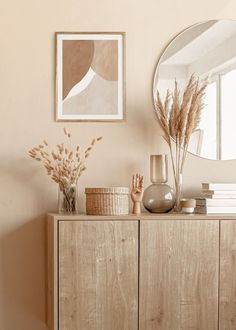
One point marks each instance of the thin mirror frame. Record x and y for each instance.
(155, 75)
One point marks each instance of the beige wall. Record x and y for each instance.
(26, 94)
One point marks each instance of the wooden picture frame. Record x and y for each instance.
(90, 76)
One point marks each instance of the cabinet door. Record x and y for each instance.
(98, 275)
(179, 266)
(228, 275)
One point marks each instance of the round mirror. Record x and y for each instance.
(206, 49)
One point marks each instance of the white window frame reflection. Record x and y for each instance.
(217, 78)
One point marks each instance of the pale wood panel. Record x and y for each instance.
(179, 265)
(228, 276)
(144, 217)
(98, 275)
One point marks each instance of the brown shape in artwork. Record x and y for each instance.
(105, 60)
(77, 59)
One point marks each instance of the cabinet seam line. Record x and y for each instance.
(219, 256)
(138, 325)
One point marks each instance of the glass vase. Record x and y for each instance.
(68, 199)
(178, 192)
(159, 196)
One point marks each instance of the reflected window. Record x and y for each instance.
(208, 124)
(228, 113)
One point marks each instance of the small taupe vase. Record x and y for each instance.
(159, 196)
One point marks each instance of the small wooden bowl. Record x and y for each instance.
(187, 205)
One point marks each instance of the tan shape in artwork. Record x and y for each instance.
(77, 59)
(99, 98)
(105, 60)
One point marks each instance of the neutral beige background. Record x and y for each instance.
(27, 116)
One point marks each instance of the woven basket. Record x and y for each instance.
(107, 201)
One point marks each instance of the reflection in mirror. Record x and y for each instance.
(207, 49)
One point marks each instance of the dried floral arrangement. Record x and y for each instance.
(179, 116)
(63, 164)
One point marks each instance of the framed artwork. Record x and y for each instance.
(90, 76)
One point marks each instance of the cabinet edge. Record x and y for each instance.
(51, 271)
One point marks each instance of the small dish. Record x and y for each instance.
(187, 205)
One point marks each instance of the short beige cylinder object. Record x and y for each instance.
(107, 201)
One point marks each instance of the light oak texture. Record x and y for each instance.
(98, 282)
(179, 264)
(183, 267)
(228, 276)
(142, 217)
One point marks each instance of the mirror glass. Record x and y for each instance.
(207, 49)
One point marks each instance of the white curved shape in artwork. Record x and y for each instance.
(99, 98)
(82, 85)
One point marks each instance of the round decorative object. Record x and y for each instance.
(107, 201)
(208, 50)
(187, 205)
(158, 198)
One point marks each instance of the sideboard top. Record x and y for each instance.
(141, 217)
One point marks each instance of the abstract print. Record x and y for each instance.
(90, 77)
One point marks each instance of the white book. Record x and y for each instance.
(213, 196)
(215, 209)
(219, 186)
(219, 192)
(215, 202)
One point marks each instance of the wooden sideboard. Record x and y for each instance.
(162, 271)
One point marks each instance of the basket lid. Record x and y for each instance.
(109, 190)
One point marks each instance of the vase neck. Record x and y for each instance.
(158, 169)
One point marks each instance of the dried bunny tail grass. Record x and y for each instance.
(161, 115)
(88, 149)
(67, 133)
(70, 155)
(32, 152)
(63, 165)
(60, 148)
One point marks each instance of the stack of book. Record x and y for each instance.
(217, 198)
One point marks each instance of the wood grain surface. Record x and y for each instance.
(228, 276)
(143, 217)
(98, 275)
(179, 266)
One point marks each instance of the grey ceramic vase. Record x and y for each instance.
(159, 196)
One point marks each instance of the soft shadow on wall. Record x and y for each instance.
(23, 276)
